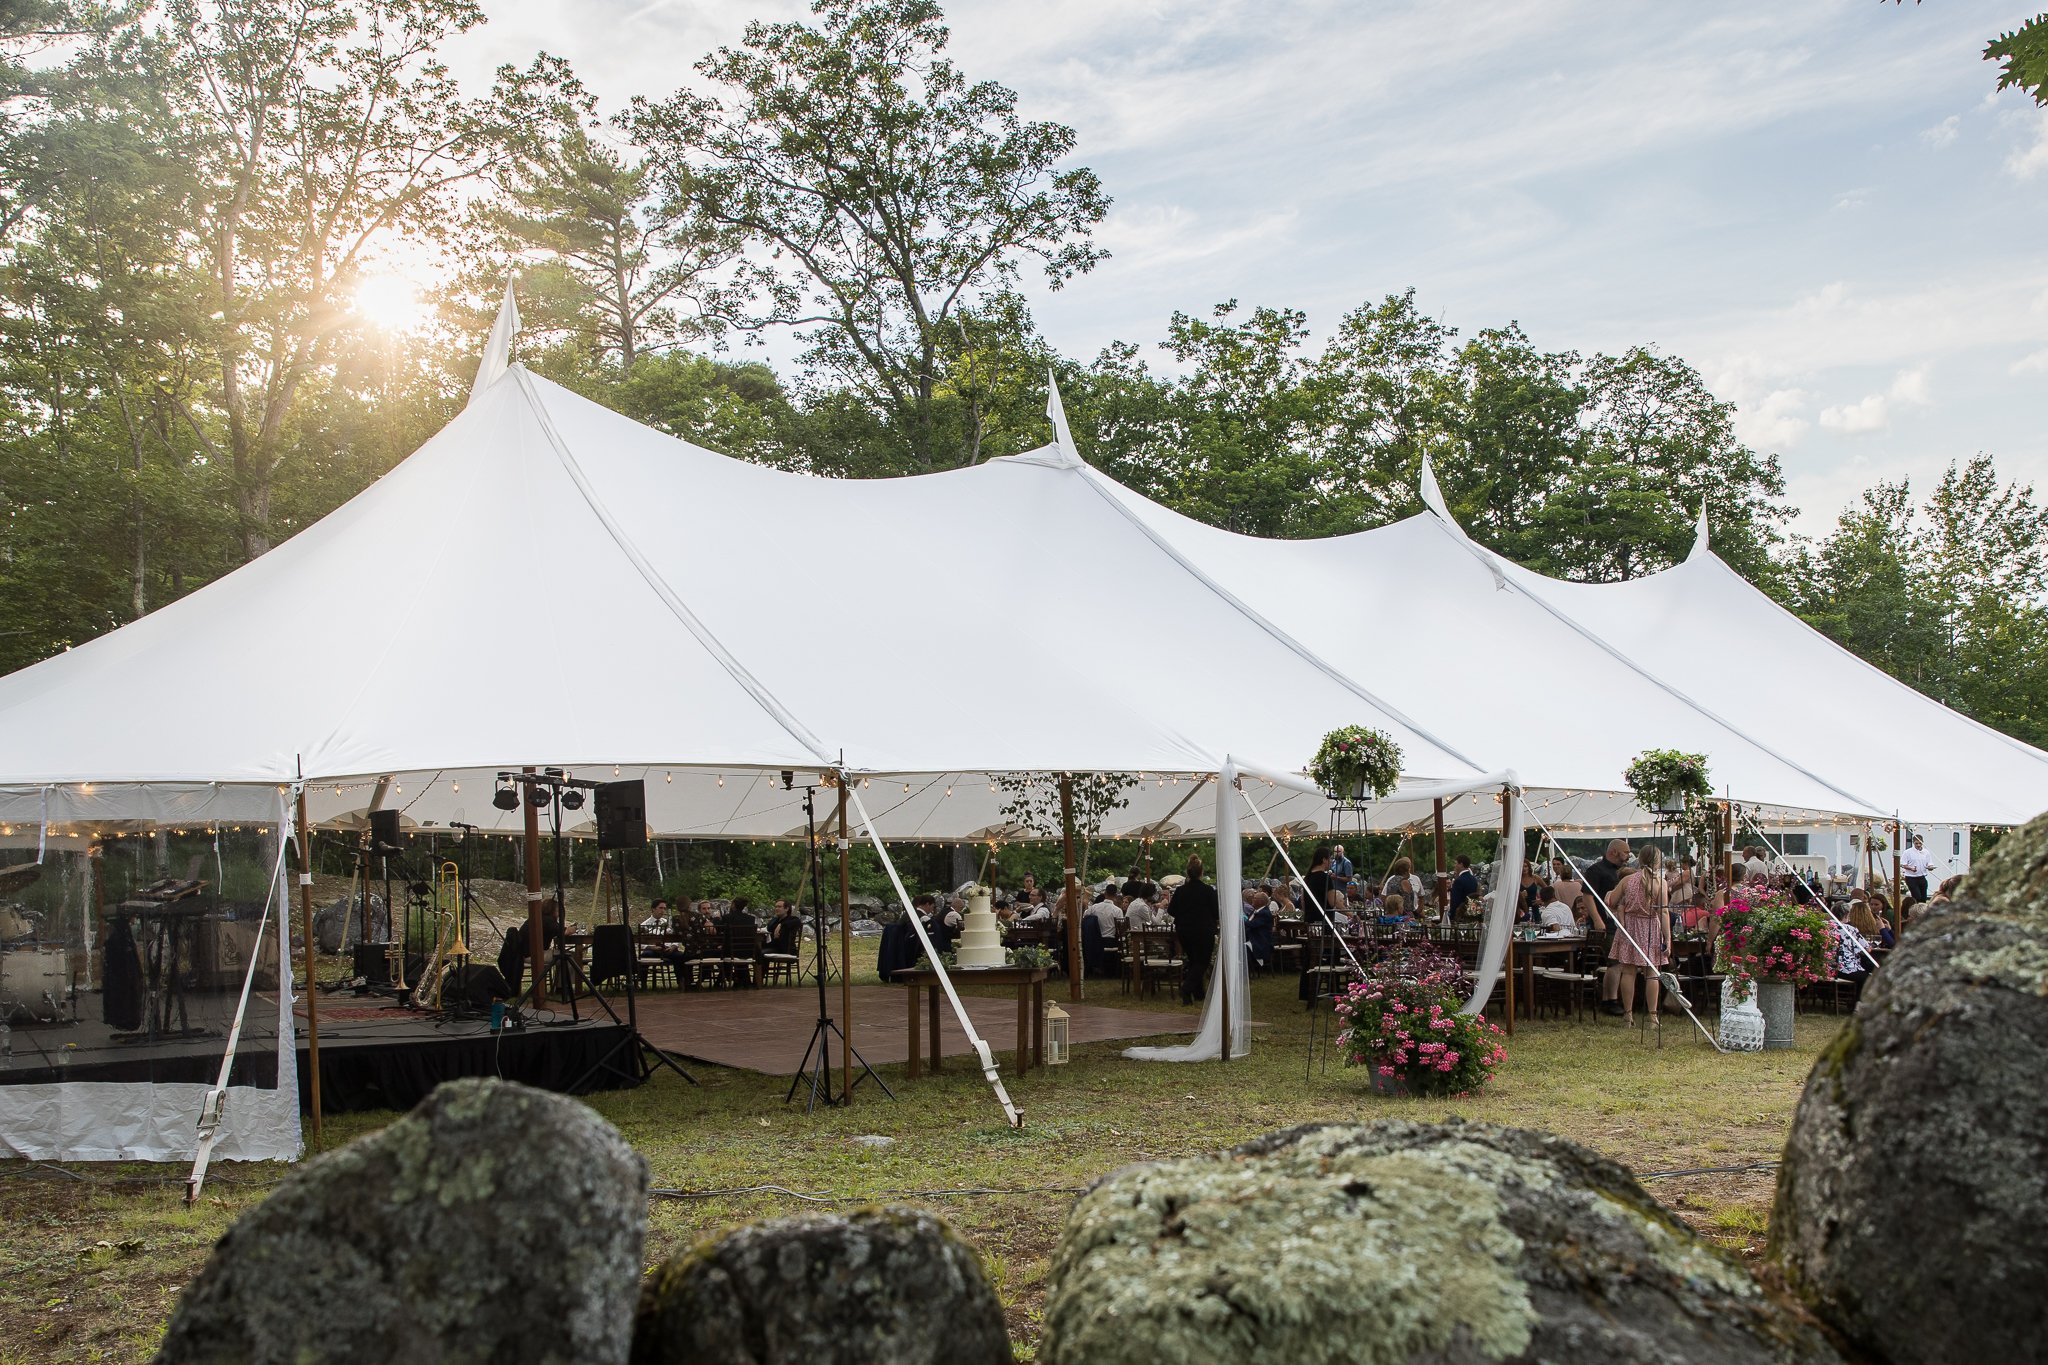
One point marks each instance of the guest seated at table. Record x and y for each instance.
(1035, 910)
(1393, 909)
(1138, 914)
(1865, 922)
(1106, 913)
(657, 918)
(1947, 890)
(1557, 917)
(785, 930)
(1258, 927)
(1852, 949)
(1586, 914)
(1340, 911)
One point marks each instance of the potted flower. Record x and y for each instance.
(1356, 764)
(1769, 945)
(1664, 780)
(1402, 1023)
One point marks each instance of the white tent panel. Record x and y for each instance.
(1709, 635)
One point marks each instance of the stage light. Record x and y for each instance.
(539, 797)
(572, 799)
(505, 798)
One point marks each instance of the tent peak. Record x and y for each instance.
(1432, 495)
(1700, 537)
(1063, 439)
(498, 350)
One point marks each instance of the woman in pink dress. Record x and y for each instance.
(1643, 906)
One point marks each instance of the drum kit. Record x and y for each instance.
(35, 977)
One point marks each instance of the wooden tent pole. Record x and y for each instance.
(312, 965)
(536, 936)
(846, 952)
(1442, 890)
(1506, 817)
(1073, 887)
(1898, 884)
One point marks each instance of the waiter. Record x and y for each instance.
(1915, 864)
(1195, 916)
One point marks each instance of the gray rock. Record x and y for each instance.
(493, 1223)
(340, 926)
(879, 1285)
(1912, 1207)
(1400, 1242)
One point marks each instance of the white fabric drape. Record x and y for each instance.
(1231, 980)
(1500, 906)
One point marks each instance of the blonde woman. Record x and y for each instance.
(1644, 945)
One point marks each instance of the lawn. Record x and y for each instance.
(93, 1256)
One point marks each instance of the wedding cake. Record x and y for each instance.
(981, 939)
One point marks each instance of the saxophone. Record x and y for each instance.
(449, 950)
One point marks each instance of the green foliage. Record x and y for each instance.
(2022, 57)
(888, 193)
(1660, 777)
(1403, 1023)
(1764, 935)
(1032, 800)
(1946, 595)
(1354, 757)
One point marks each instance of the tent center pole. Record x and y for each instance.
(1073, 893)
(536, 935)
(305, 833)
(1442, 889)
(845, 950)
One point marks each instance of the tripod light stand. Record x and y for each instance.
(825, 1029)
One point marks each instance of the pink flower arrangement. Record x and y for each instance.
(1402, 1021)
(1765, 935)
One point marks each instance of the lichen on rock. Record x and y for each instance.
(1912, 1206)
(1398, 1242)
(494, 1222)
(877, 1285)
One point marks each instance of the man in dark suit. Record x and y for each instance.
(1195, 916)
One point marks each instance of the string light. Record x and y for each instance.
(671, 777)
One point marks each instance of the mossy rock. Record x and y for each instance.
(880, 1286)
(1390, 1243)
(1912, 1208)
(492, 1223)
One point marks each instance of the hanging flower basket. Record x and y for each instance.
(1665, 780)
(1356, 764)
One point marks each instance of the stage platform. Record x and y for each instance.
(765, 1029)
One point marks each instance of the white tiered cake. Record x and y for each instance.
(981, 939)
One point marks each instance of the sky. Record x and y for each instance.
(1823, 206)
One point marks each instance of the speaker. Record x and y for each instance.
(622, 814)
(475, 984)
(384, 828)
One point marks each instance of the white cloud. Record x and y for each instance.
(1853, 199)
(2028, 161)
(1776, 422)
(1873, 412)
(1853, 419)
(2037, 363)
(1944, 133)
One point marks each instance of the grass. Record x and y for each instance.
(93, 1257)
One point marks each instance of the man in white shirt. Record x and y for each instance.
(1103, 912)
(1753, 864)
(1914, 864)
(1138, 914)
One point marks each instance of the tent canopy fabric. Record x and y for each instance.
(547, 582)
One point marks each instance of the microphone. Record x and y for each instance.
(457, 824)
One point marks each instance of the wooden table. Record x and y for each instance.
(1526, 953)
(1030, 984)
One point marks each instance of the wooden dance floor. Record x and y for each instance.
(765, 1029)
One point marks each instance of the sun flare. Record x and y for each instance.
(390, 303)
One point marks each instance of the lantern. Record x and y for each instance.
(1056, 1043)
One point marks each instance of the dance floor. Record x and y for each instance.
(766, 1029)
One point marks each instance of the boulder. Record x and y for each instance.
(492, 1223)
(1400, 1242)
(339, 926)
(1912, 1208)
(878, 1285)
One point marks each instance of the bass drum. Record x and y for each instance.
(14, 924)
(34, 982)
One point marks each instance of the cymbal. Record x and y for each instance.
(16, 877)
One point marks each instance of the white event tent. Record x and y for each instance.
(548, 583)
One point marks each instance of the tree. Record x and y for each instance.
(1948, 598)
(608, 261)
(2022, 56)
(321, 131)
(884, 191)
(1032, 800)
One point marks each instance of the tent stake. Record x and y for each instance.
(312, 964)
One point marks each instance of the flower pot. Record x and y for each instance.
(1775, 999)
(1742, 1023)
